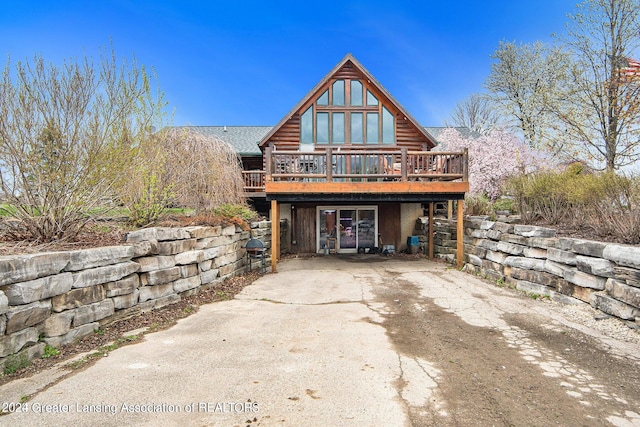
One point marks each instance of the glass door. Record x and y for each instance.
(366, 230)
(347, 229)
(348, 223)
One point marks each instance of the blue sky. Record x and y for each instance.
(249, 62)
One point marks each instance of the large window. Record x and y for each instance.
(373, 128)
(347, 111)
(356, 93)
(322, 128)
(357, 130)
(306, 126)
(388, 127)
(337, 136)
(338, 93)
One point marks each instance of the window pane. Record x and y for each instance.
(356, 128)
(388, 133)
(338, 128)
(306, 126)
(371, 99)
(324, 98)
(322, 128)
(356, 93)
(372, 128)
(338, 92)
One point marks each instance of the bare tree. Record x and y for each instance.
(182, 167)
(522, 81)
(476, 113)
(602, 109)
(65, 135)
(205, 171)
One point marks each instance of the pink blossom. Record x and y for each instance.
(492, 158)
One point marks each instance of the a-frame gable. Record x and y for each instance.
(406, 130)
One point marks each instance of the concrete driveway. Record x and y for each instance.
(364, 341)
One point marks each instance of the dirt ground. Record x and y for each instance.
(492, 376)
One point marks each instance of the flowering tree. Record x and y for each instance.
(492, 158)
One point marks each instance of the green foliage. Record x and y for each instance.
(14, 363)
(503, 204)
(230, 211)
(477, 204)
(151, 202)
(50, 351)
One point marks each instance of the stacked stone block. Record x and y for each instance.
(55, 298)
(534, 260)
(444, 237)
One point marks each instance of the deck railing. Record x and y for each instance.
(350, 165)
(253, 181)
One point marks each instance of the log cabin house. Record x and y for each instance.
(348, 167)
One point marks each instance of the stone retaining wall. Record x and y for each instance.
(534, 260)
(54, 298)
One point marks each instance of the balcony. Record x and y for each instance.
(336, 171)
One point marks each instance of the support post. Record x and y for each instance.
(275, 234)
(430, 230)
(449, 210)
(460, 235)
(403, 164)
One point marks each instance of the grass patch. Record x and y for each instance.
(50, 351)
(14, 363)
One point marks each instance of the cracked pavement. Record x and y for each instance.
(360, 340)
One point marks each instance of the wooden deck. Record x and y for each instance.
(334, 170)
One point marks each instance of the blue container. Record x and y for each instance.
(413, 241)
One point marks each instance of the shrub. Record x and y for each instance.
(611, 204)
(180, 167)
(503, 204)
(607, 203)
(477, 204)
(205, 171)
(236, 214)
(146, 191)
(63, 133)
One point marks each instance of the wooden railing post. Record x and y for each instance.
(465, 165)
(329, 165)
(403, 163)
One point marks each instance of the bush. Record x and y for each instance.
(228, 210)
(503, 204)
(179, 167)
(605, 203)
(239, 215)
(611, 204)
(477, 204)
(204, 171)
